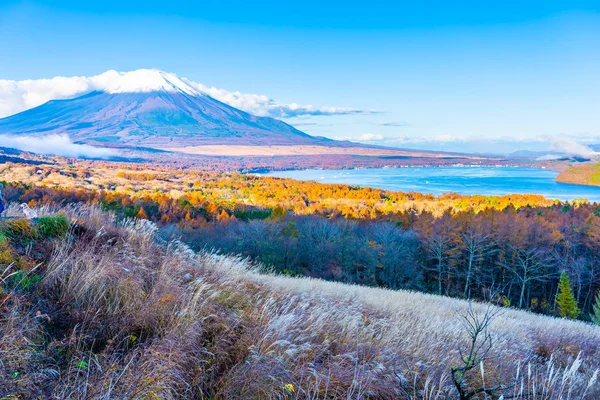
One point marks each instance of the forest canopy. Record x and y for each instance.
(511, 249)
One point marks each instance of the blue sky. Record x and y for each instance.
(457, 77)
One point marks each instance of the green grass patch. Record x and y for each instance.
(23, 281)
(20, 231)
(24, 231)
(54, 226)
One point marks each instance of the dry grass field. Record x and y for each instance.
(114, 312)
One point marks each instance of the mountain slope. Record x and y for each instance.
(152, 108)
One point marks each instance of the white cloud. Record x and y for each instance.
(573, 148)
(59, 145)
(262, 105)
(402, 139)
(17, 96)
(370, 137)
(393, 123)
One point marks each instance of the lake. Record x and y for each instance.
(463, 180)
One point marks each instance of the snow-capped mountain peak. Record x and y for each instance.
(141, 81)
(148, 107)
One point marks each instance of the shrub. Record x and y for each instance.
(6, 255)
(20, 230)
(53, 226)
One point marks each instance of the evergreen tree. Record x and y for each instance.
(596, 307)
(565, 300)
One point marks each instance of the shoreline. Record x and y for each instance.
(419, 183)
(405, 166)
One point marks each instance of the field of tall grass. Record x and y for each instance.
(92, 307)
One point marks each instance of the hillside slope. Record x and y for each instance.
(103, 309)
(159, 118)
(580, 175)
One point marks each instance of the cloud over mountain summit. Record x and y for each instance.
(17, 96)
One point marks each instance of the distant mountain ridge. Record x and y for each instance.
(155, 109)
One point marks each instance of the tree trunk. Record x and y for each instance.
(522, 295)
(440, 277)
(468, 279)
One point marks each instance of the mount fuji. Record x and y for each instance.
(151, 108)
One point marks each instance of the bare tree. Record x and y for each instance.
(465, 380)
(440, 248)
(529, 265)
(319, 237)
(396, 251)
(476, 247)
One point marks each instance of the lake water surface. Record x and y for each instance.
(463, 180)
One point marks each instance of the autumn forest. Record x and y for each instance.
(510, 250)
